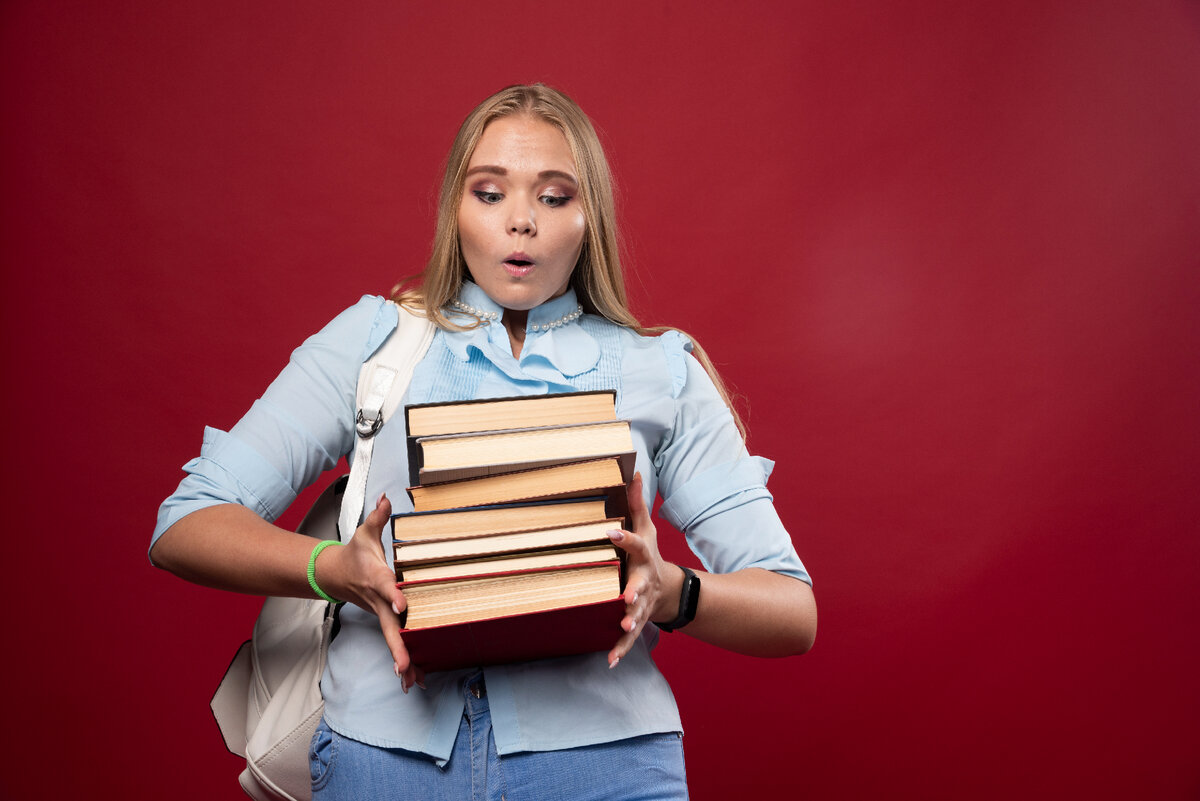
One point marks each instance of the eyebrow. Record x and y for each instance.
(544, 175)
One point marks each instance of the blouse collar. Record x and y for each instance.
(556, 345)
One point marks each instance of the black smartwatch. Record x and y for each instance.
(689, 599)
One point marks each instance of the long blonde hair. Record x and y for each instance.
(597, 279)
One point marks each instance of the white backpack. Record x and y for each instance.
(269, 702)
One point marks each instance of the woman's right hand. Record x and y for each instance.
(361, 574)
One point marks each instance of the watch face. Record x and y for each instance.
(691, 588)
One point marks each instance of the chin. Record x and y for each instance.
(518, 295)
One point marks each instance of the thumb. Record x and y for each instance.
(379, 516)
(372, 528)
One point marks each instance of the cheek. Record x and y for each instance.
(468, 231)
(576, 233)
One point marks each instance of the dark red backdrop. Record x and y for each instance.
(948, 251)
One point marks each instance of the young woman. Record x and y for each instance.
(526, 289)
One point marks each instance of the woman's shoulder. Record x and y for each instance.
(359, 329)
(657, 357)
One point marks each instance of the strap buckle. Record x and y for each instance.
(367, 428)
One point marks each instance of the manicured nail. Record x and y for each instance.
(421, 684)
(396, 669)
(616, 536)
(633, 598)
(395, 607)
(614, 663)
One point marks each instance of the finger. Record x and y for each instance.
(621, 648)
(638, 511)
(389, 624)
(628, 541)
(635, 610)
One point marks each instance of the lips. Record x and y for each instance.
(518, 264)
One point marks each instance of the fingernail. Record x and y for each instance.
(421, 684)
(614, 663)
(616, 536)
(396, 669)
(395, 607)
(382, 498)
(632, 599)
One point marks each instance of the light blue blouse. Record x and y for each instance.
(688, 449)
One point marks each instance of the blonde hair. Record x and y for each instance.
(597, 278)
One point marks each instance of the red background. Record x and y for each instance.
(948, 250)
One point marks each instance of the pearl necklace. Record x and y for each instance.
(484, 316)
(561, 321)
(487, 317)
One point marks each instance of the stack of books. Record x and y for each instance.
(506, 556)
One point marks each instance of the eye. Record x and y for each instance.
(555, 201)
(490, 198)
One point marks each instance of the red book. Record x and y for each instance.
(518, 638)
(516, 616)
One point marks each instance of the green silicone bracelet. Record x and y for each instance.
(312, 570)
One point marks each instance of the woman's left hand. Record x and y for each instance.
(646, 574)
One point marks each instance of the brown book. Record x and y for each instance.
(440, 603)
(417, 552)
(488, 414)
(508, 563)
(499, 519)
(572, 480)
(457, 456)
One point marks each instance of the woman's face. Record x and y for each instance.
(520, 224)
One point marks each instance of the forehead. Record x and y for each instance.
(523, 144)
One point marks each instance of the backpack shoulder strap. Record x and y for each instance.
(382, 382)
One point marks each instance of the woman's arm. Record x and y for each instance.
(750, 611)
(231, 548)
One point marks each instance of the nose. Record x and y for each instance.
(522, 220)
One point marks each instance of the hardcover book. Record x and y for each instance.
(454, 549)
(572, 480)
(507, 563)
(566, 631)
(456, 456)
(506, 517)
(489, 414)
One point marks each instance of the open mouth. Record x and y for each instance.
(518, 268)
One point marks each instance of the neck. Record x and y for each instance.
(514, 323)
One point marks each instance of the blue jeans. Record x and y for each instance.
(648, 768)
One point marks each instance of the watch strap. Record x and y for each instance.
(689, 599)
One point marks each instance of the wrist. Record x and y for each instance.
(667, 604)
(684, 609)
(322, 572)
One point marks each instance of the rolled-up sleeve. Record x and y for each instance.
(714, 491)
(298, 429)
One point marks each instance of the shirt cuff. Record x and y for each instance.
(717, 489)
(730, 522)
(226, 471)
